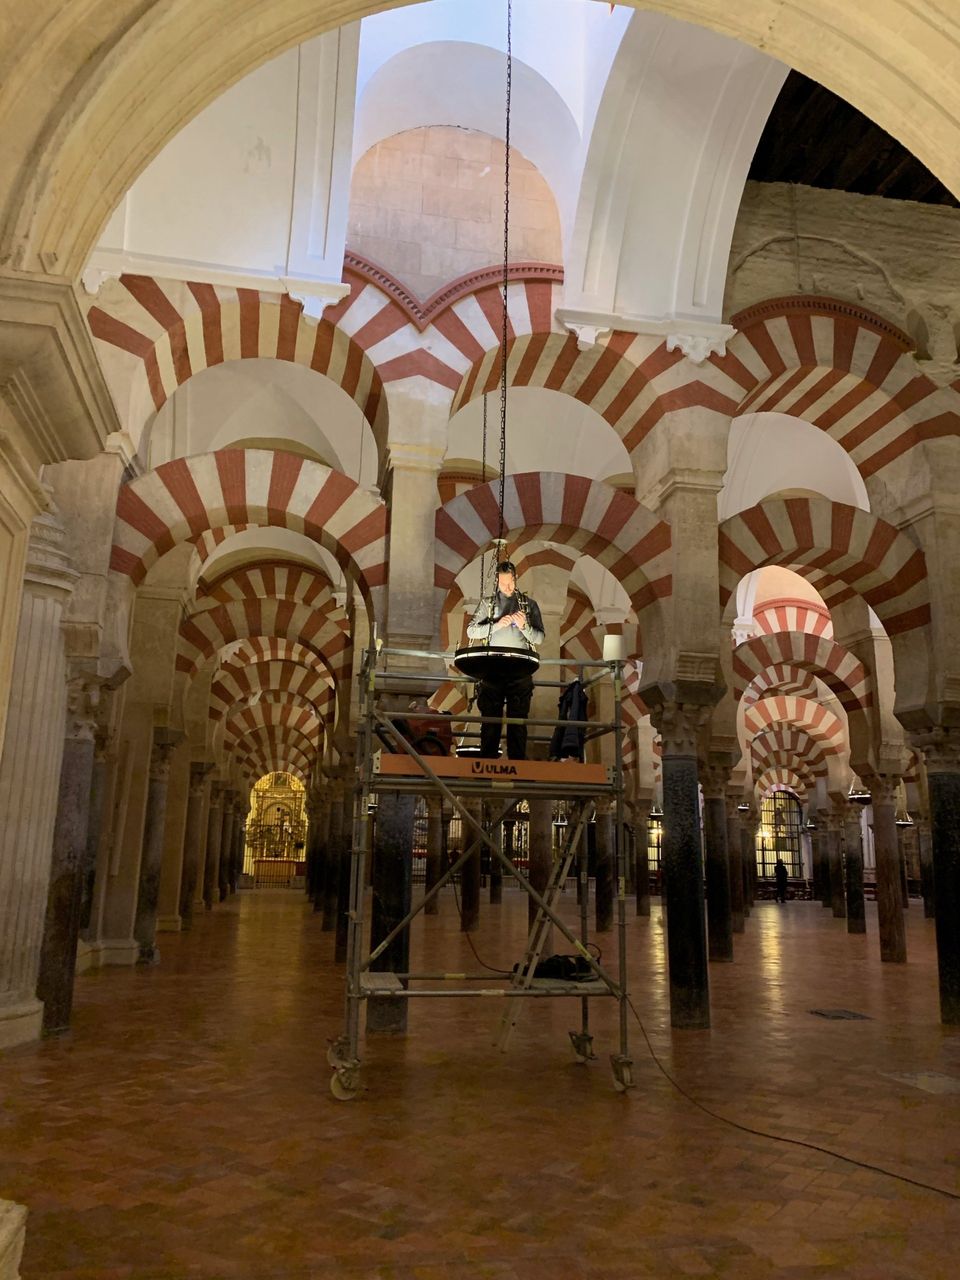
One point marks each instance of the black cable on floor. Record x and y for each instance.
(504, 973)
(777, 1137)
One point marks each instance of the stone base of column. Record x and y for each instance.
(19, 1024)
(169, 924)
(13, 1225)
(119, 951)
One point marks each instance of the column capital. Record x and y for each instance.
(83, 701)
(940, 748)
(199, 769)
(713, 779)
(164, 741)
(49, 568)
(883, 787)
(680, 725)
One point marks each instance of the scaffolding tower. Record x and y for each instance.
(502, 784)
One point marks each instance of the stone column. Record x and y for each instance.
(470, 876)
(833, 840)
(331, 862)
(151, 859)
(226, 845)
(926, 868)
(99, 795)
(853, 857)
(679, 725)
(604, 867)
(169, 919)
(509, 837)
(61, 930)
(735, 855)
(713, 779)
(941, 753)
(642, 872)
(211, 865)
(748, 856)
(194, 841)
(902, 858)
(29, 777)
(496, 870)
(434, 867)
(540, 847)
(343, 881)
(893, 938)
(391, 902)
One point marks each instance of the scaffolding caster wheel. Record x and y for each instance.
(622, 1072)
(345, 1081)
(582, 1043)
(338, 1052)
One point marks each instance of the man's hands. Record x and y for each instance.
(518, 619)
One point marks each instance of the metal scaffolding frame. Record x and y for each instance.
(376, 725)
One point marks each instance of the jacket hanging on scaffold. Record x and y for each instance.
(567, 741)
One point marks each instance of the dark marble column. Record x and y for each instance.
(98, 796)
(194, 841)
(893, 938)
(151, 857)
(926, 868)
(748, 856)
(642, 862)
(61, 930)
(941, 753)
(679, 726)
(541, 849)
(346, 868)
(713, 780)
(434, 868)
(821, 859)
(391, 902)
(470, 876)
(604, 868)
(509, 837)
(833, 841)
(322, 838)
(496, 869)
(902, 830)
(226, 844)
(331, 861)
(853, 858)
(240, 841)
(211, 863)
(735, 855)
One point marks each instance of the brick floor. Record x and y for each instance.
(185, 1129)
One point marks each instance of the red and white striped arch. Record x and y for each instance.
(790, 747)
(252, 649)
(273, 579)
(842, 673)
(629, 381)
(172, 331)
(258, 758)
(180, 500)
(783, 678)
(844, 551)
(593, 518)
(793, 615)
(203, 634)
(797, 713)
(296, 720)
(841, 368)
(778, 778)
(234, 684)
(275, 737)
(442, 338)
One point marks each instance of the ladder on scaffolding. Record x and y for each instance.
(525, 973)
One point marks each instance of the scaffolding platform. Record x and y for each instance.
(458, 781)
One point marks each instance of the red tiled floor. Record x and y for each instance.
(185, 1128)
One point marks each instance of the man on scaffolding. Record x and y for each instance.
(508, 619)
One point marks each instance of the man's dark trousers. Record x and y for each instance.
(492, 696)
